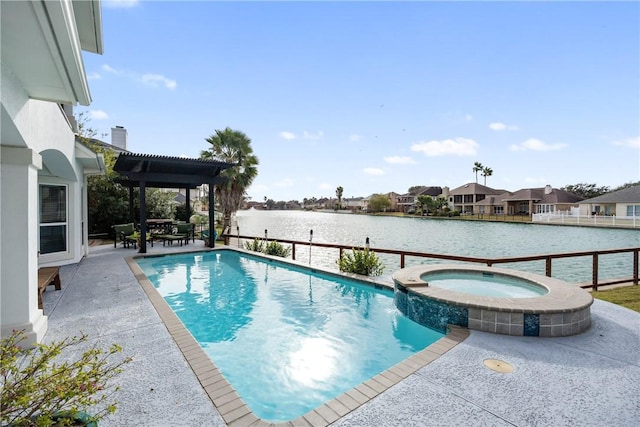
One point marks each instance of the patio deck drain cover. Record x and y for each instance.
(498, 366)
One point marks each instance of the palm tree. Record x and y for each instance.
(339, 192)
(232, 146)
(477, 167)
(486, 172)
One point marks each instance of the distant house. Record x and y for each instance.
(625, 202)
(407, 202)
(546, 199)
(355, 204)
(43, 169)
(466, 198)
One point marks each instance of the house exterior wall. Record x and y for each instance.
(603, 208)
(37, 146)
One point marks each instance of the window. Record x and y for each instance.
(544, 208)
(468, 198)
(633, 210)
(53, 219)
(498, 210)
(457, 198)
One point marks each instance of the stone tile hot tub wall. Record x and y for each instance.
(564, 310)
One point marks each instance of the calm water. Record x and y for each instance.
(477, 284)
(287, 340)
(466, 238)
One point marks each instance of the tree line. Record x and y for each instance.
(108, 200)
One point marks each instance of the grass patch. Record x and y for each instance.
(627, 296)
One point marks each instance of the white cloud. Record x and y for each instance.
(629, 142)
(373, 171)
(400, 160)
(498, 126)
(355, 137)
(94, 76)
(316, 136)
(287, 135)
(325, 186)
(110, 69)
(468, 117)
(98, 115)
(123, 4)
(286, 182)
(156, 80)
(455, 147)
(536, 145)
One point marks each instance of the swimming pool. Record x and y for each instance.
(287, 338)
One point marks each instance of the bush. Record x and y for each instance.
(277, 249)
(269, 248)
(364, 262)
(181, 212)
(36, 390)
(256, 245)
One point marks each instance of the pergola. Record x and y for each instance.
(146, 170)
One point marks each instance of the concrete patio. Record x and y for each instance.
(592, 379)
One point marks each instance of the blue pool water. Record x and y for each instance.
(288, 339)
(482, 284)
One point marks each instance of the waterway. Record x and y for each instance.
(453, 237)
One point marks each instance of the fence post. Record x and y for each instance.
(635, 266)
(548, 267)
(238, 234)
(595, 272)
(401, 260)
(310, 239)
(293, 251)
(366, 243)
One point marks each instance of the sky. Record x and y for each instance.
(378, 96)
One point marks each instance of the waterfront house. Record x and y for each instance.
(407, 202)
(625, 202)
(43, 169)
(466, 198)
(542, 200)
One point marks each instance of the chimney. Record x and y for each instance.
(119, 137)
(548, 189)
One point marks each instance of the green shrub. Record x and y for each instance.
(256, 245)
(277, 249)
(36, 388)
(270, 248)
(364, 262)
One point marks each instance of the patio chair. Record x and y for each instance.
(124, 233)
(180, 232)
(204, 235)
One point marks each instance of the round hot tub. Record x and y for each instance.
(492, 300)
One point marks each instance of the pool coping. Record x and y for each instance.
(230, 405)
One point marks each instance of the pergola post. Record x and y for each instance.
(143, 218)
(212, 221)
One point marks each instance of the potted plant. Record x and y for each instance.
(41, 388)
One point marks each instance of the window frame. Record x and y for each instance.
(64, 223)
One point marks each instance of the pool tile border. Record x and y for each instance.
(231, 406)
